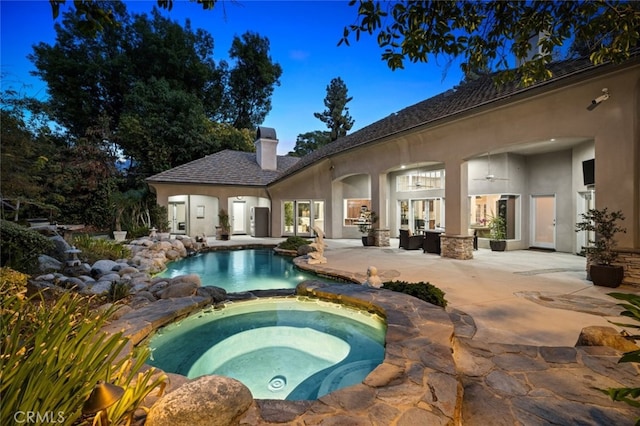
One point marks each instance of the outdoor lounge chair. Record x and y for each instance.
(410, 242)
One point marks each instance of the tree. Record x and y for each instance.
(309, 142)
(336, 116)
(251, 81)
(147, 88)
(87, 76)
(498, 34)
(94, 17)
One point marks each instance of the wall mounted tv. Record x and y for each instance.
(589, 172)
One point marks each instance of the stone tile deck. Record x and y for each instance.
(435, 375)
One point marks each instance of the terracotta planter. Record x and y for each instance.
(498, 245)
(606, 276)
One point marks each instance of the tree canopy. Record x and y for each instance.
(497, 35)
(309, 142)
(251, 81)
(149, 88)
(336, 115)
(93, 16)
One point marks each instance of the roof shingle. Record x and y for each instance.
(225, 168)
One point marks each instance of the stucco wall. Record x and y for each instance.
(558, 111)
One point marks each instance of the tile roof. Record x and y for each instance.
(225, 168)
(240, 168)
(462, 98)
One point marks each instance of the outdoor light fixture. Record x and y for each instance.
(601, 98)
(103, 396)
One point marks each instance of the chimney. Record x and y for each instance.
(266, 148)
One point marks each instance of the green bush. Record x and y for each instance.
(424, 291)
(292, 243)
(630, 396)
(21, 246)
(53, 354)
(94, 249)
(118, 291)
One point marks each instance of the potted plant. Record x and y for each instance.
(601, 251)
(120, 201)
(225, 226)
(498, 233)
(365, 225)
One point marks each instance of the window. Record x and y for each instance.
(300, 216)
(419, 180)
(353, 209)
(486, 206)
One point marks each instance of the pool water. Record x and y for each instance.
(280, 348)
(241, 270)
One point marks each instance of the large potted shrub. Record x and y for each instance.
(365, 225)
(225, 225)
(601, 251)
(498, 233)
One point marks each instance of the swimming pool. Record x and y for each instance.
(280, 348)
(241, 270)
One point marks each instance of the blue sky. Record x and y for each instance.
(303, 37)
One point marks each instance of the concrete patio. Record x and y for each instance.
(517, 316)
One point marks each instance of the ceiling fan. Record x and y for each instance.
(490, 177)
(417, 182)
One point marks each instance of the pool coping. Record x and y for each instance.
(417, 381)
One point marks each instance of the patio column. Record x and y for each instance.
(456, 242)
(379, 200)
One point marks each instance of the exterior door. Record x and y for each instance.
(586, 201)
(239, 217)
(543, 221)
(303, 218)
(177, 218)
(300, 216)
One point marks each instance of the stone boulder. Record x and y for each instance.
(101, 267)
(605, 336)
(60, 247)
(206, 401)
(217, 294)
(189, 278)
(179, 289)
(48, 263)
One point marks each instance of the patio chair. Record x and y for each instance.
(410, 242)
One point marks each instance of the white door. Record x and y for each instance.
(177, 218)
(239, 217)
(586, 201)
(543, 221)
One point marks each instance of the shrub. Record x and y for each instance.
(292, 243)
(138, 231)
(51, 355)
(118, 291)
(424, 291)
(630, 396)
(54, 353)
(21, 246)
(13, 283)
(94, 249)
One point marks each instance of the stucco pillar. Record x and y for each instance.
(379, 200)
(456, 242)
(223, 203)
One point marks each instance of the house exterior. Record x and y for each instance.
(538, 156)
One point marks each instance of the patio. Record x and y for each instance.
(517, 316)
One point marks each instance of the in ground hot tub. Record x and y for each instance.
(280, 348)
